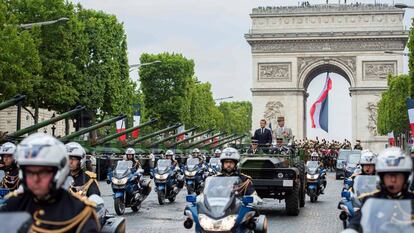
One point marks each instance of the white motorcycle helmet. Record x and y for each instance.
(170, 153)
(74, 149)
(367, 157)
(129, 151)
(394, 160)
(314, 155)
(40, 149)
(230, 154)
(196, 151)
(218, 151)
(7, 148)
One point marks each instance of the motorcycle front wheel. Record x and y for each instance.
(161, 198)
(119, 206)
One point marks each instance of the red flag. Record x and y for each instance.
(391, 139)
(120, 126)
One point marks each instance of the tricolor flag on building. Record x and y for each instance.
(391, 139)
(319, 109)
(410, 106)
(120, 126)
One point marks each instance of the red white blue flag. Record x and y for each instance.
(120, 126)
(410, 106)
(319, 109)
(391, 139)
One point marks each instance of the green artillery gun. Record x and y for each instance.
(13, 101)
(223, 142)
(177, 144)
(16, 136)
(194, 144)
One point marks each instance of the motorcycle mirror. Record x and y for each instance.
(191, 198)
(247, 200)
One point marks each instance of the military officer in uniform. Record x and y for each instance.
(44, 163)
(358, 145)
(282, 131)
(11, 178)
(84, 182)
(254, 148)
(280, 148)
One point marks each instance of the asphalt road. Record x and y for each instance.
(319, 217)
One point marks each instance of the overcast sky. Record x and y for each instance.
(211, 32)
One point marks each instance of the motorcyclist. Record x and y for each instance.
(44, 163)
(315, 157)
(84, 182)
(394, 168)
(169, 154)
(217, 153)
(11, 178)
(130, 156)
(229, 158)
(201, 159)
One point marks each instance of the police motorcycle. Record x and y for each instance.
(386, 215)
(349, 203)
(214, 166)
(194, 176)
(127, 188)
(165, 181)
(314, 175)
(3, 191)
(219, 209)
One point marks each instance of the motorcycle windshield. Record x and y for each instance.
(364, 184)
(163, 165)
(122, 168)
(215, 162)
(192, 164)
(219, 195)
(312, 167)
(387, 215)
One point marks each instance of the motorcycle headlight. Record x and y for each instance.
(313, 177)
(224, 224)
(119, 181)
(161, 177)
(188, 173)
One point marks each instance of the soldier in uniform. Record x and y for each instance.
(282, 131)
(393, 167)
(254, 148)
(229, 159)
(280, 148)
(358, 145)
(44, 163)
(11, 178)
(84, 182)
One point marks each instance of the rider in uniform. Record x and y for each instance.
(11, 178)
(44, 163)
(393, 167)
(84, 182)
(229, 159)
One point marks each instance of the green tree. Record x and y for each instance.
(165, 87)
(237, 116)
(392, 108)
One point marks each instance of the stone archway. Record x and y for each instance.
(291, 45)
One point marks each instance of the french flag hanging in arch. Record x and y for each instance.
(319, 109)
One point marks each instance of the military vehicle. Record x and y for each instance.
(277, 176)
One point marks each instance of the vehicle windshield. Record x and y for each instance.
(312, 166)
(215, 161)
(364, 184)
(163, 164)
(122, 167)
(192, 164)
(354, 158)
(387, 215)
(219, 194)
(343, 154)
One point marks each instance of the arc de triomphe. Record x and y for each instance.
(292, 45)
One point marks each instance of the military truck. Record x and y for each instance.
(277, 176)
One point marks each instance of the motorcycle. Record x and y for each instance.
(165, 181)
(3, 191)
(349, 204)
(194, 176)
(130, 189)
(314, 180)
(386, 215)
(219, 210)
(214, 166)
(109, 223)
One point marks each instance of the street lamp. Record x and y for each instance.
(30, 25)
(132, 67)
(402, 6)
(398, 53)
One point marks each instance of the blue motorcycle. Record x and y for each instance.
(214, 166)
(166, 184)
(129, 188)
(315, 180)
(349, 204)
(219, 210)
(194, 176)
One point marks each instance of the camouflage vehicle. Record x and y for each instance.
(277, 176)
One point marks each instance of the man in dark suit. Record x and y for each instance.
(263, 135)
